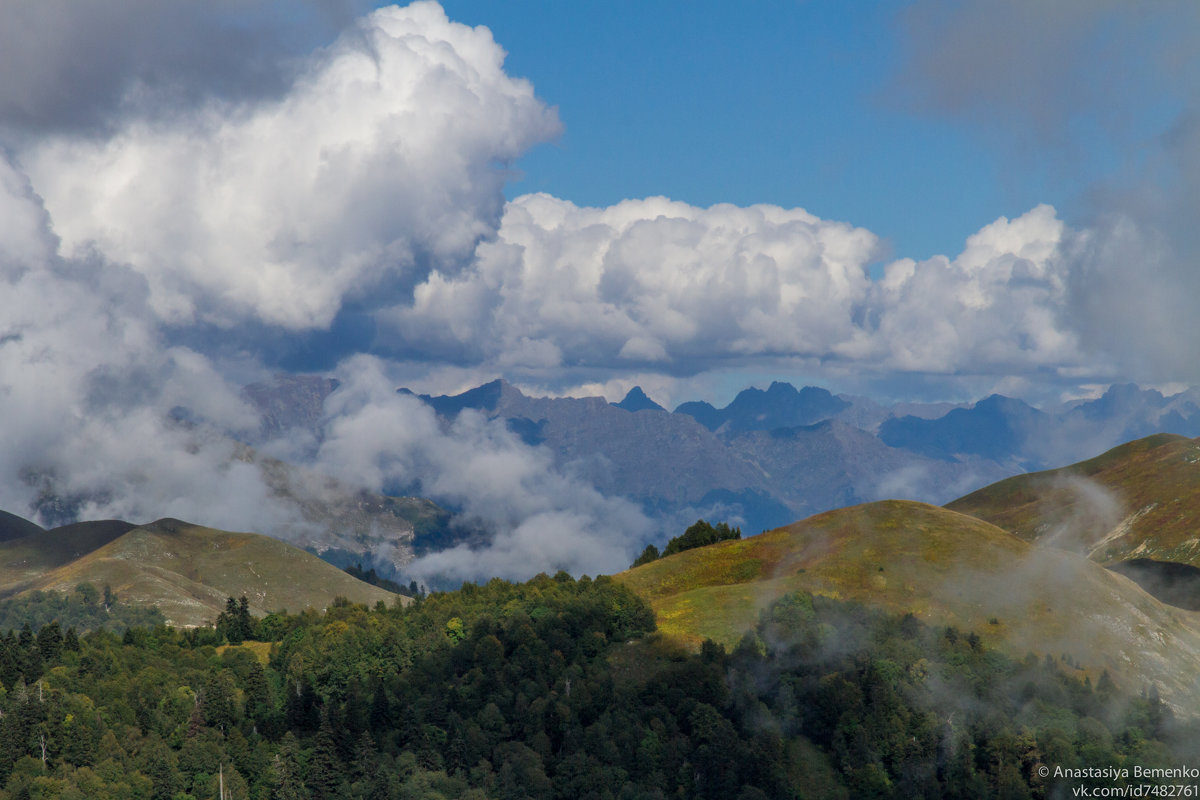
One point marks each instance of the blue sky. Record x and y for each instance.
(790, 103)
(708, 103)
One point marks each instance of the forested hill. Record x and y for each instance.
(555, 688)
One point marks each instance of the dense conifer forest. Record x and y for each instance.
(554, 688)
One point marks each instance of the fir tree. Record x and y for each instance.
(324, 766)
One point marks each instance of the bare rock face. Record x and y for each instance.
(637, 400)
(290, 402)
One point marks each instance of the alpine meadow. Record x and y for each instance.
(599, 401)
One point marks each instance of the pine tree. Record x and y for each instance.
(366, 759)
(158, 765)
(227, 622)
(259, 703)
(286, 781)
(220, 707)
(380, 718)
(50, 641)
(10, 661)
(649, 554)
(324, 766)
(29, 654)
(243, 621)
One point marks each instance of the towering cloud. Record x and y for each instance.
(86, 387)
(995, 308)
(663, 284)
(378, 164)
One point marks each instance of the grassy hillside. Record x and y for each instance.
(14, 527)
(25, 561)
(947, 569)
(186, 570)
(1138, 500)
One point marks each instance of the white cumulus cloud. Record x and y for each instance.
(997, 306)
(378, 163)
(646, 281)
(660, 284)
(87, 386)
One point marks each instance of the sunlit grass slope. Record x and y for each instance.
(1138, 500)
(945, 568)
(186, 570)
(27, 560)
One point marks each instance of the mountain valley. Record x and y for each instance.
(1002, 620)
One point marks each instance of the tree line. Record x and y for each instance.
(553, 688)
(698, 534)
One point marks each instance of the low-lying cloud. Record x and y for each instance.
(538, 519)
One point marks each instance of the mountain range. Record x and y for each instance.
(772, 456)
(767, 458)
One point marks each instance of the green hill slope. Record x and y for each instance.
(947, 569)
(186, 570)
(25, 561)
(1139, 500)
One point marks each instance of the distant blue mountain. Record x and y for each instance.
(780, 406)
(636, 400)
(482, 398)
(770, 457)
(997, 428)
(1127, 412)
(702, 412)
(1122, 400)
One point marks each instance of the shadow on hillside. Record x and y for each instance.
(1170, 582)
